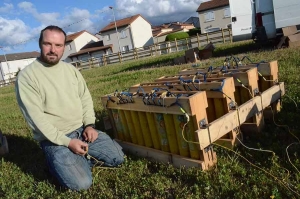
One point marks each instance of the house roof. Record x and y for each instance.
(194, 21)
(19, 56)
(93, 45)
(89, 50)
(169, 32)
(212, 4)
(73, 36)
(121, 23)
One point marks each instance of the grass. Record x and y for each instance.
(22, 171)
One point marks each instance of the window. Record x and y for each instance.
(123, 34)
(69, 47)
(107, 37)
(209, 16)
(227, 12)
(125, 48)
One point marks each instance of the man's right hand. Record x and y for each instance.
(77, 146)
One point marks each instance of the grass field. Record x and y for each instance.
(22, 171)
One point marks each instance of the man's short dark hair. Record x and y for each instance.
(51, 27)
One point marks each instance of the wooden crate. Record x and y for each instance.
(268, 77)
(219, 91)
(219, 127)
(246, 87)
(153, 127)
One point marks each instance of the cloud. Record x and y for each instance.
(160, 11)
(73, 21)
(13, 32)
(6, 8)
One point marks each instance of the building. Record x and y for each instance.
(92, 51)
(10, 64)
(133, 32)
(214, 15)
(76, 41)
(193, 20)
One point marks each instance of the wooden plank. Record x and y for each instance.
(226, 83)
(138, 104)
(228, 122)
(160, 156)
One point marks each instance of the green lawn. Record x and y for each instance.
(22, 171)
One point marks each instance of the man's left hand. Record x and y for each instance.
(90, 134)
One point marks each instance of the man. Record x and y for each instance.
(58, 107)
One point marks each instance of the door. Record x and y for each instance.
(268, 21)
(242, 19)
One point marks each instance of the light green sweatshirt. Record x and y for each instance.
(54, 100)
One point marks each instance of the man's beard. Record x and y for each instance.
(51, 61)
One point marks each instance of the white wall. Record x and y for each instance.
(219, 22)
(113, 39)
(10, 68)
(141, 33)
(78, 43)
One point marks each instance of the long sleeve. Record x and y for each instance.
(31, 105)
(86, 101)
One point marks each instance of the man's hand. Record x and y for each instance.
(90, 134)
(77, 146)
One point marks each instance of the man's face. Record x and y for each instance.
(52, 46)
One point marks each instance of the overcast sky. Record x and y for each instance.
(21, 21)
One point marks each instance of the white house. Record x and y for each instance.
(214, 15)
(133, 32)
(91, 51)
(76, 41)
(10, 64)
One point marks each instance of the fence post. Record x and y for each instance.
(136, 53)
(120, 59)
(133, 52)
(207, 39)
(151, 53)
(104, 60)
(198, 40)
(176, 45)
(155, 49)
(92, 61)
(230, 35)
(223, 35)
(168, 47)
(187, 44)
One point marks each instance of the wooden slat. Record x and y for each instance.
(228, 122)
(197, 100)
(160, 156)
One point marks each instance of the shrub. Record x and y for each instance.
(194, 31)
(177, 36)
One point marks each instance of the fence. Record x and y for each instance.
(7, 82)
(222, 36)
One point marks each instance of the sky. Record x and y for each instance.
(22, 21)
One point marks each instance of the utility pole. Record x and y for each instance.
(116, 29)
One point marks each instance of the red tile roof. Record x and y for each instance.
(19, 56)
(120, 23)
(73, 36)
(212, 4)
